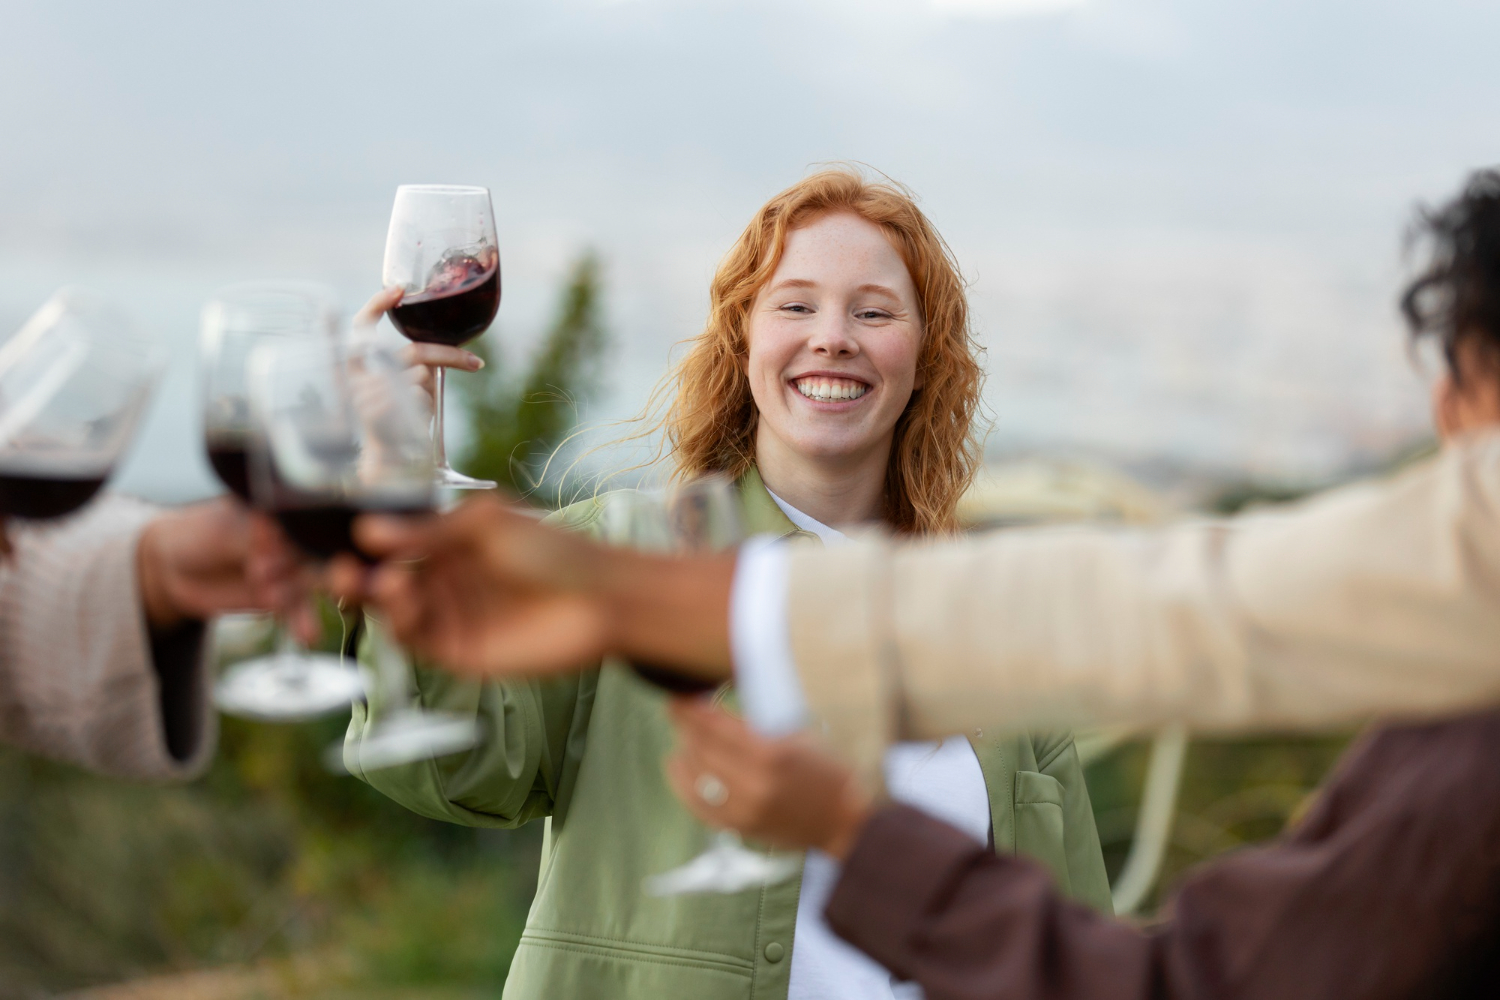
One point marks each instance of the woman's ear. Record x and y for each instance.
(1445, 407)
(1468, 399)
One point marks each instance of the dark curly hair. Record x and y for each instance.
(1456, 299)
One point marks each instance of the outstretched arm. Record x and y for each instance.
(1386, 890)
(102, 626)
(488, 590)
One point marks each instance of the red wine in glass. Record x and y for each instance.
(457, 303)
(230, 457)
(41, 496)
(674, 681)
(324, 529)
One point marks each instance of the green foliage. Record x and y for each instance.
(265, 859)
(1233, 793)
(518, 419)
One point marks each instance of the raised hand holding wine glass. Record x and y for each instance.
(441, 251)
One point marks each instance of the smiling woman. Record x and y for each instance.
(837, 351)
(835, 382)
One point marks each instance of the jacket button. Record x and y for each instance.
(774, 952)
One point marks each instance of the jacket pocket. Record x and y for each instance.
(1039, 823)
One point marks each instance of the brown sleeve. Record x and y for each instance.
(1389, 888)
(932, 906)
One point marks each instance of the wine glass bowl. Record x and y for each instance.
(441, 251)
(75, 381)
(234, 321)
(336, 435)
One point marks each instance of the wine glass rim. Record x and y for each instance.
(443, 188)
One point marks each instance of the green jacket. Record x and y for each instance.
(585, 753)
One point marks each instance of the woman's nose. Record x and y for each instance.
(832, 339)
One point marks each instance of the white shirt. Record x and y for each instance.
(943, 779)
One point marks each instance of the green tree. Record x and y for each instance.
(518, 419)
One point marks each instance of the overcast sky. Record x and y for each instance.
(1182, 219)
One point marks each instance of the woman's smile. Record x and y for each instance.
(830, 390)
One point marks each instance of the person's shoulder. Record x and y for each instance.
(586, 515)
(579, 516)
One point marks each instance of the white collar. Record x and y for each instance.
(830, 536)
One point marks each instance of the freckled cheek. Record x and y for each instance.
(897, 361)
(770, 356)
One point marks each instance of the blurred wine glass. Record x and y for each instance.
(335, 436)
(74, 384)
(702, 515)
(235, 319)
(291, 683)
(441, 250)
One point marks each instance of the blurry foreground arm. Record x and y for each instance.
(1386, 889)
(488, 590)
(102, 633)
(1377, 599)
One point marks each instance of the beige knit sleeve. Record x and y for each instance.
(1377, 599)
(76, 674)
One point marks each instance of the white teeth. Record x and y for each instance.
(830, 390)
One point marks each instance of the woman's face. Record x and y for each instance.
(834, 338)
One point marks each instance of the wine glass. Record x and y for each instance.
(702, 515)
(234, 321)
(441, 250)
(336, 436)
(291, 683)
(74, 383)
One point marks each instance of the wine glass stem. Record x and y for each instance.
(439, 437)
(289, 649)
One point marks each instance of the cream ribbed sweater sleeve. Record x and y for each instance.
(76, 675)
(1377, 599)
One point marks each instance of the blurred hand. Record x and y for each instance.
(485, 589)
(210, 558)
(423, 360)
(786, 792)
(489, 590)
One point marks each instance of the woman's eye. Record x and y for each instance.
(873, 314)
(796, 307)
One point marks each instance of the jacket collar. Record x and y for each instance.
(762, 515)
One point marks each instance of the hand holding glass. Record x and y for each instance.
(442, 252)
(335, 438)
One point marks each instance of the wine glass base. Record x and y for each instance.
(407, 736)
(287, 687)
(449, 479)
(724, 868)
